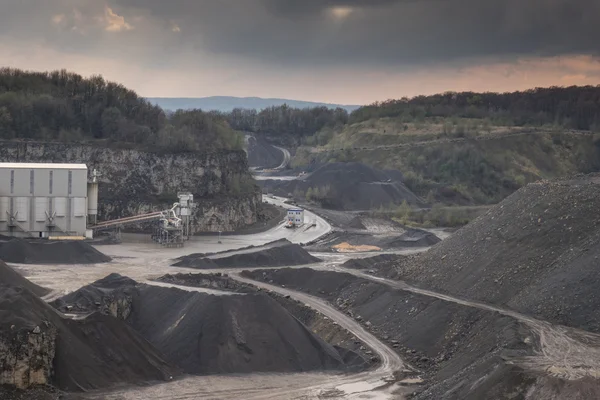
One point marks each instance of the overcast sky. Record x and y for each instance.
(342, 51)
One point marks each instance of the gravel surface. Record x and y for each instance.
(115, 355)
(412, 238)
(207, 334)
(453, 345)
(11, 277)
(262, 154)
(536, 252)
(40, 251)
(275, 254)
(354, 186)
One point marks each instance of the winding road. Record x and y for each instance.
(564, 352)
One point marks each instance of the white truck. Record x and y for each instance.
(295, 218)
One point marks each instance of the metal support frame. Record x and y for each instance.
(167, 236)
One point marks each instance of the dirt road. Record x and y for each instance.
(287, 157)
(374, 384)
(566, 353)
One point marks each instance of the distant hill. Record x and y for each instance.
(226, 103)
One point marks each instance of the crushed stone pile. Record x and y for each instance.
(11, 277)
(353, 186)
(351, 350)
(537, 252)
(275, 254)
(207, 334)
(463, 352)
(371, 263)
(262, 154)
(215, 281)
(41, 346)
(41, 251)
(411, 238)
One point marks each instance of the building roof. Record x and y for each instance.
(41, 166)
(295, 209)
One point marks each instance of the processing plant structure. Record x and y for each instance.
(56, 201)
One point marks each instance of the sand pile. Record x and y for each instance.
(352, 186)
(96, 352)
(11, 277)
(39, 251)
(275, 254)
(207, 334)
(346, 247)
(411, 238)
(537, 252)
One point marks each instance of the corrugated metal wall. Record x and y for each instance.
(32, 195)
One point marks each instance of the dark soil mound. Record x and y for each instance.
(215, 281)
(352, 186)
(102, 296)
(224, 334)
(370, 262)
(275, 254)
(413, 238)
(11, 277)
(454, 345)
(96, 352)
(38, 251)
(262, 154)
(207, 334)
(536, 252)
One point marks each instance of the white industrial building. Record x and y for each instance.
(44, 200)
(295, 216)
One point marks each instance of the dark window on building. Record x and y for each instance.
(70, 181)
(12, 181)
(31, 181)
(51, 177)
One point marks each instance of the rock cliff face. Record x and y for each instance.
(135, 182)
(26, 357)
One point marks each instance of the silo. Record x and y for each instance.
(92, 199)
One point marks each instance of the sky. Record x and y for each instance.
(338, 51)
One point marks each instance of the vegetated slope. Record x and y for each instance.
(575, 107)
(42, 346)
(477, 168)
(275, 254)
(11, 277)
(207, 334)
(349, 186)
(35, 251)
(63, 106)
(536, 252)
(464, 352)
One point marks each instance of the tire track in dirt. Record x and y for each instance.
(564, 352)
(369, 380)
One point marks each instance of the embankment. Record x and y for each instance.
(463, 352)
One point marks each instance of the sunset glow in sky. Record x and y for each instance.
(350, 52)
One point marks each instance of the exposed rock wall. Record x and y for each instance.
(135, 182)
(26, 357)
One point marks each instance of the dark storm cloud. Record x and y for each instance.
(383, 33)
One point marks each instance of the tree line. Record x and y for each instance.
(574, 107)
(285, 120)
(59, 105)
